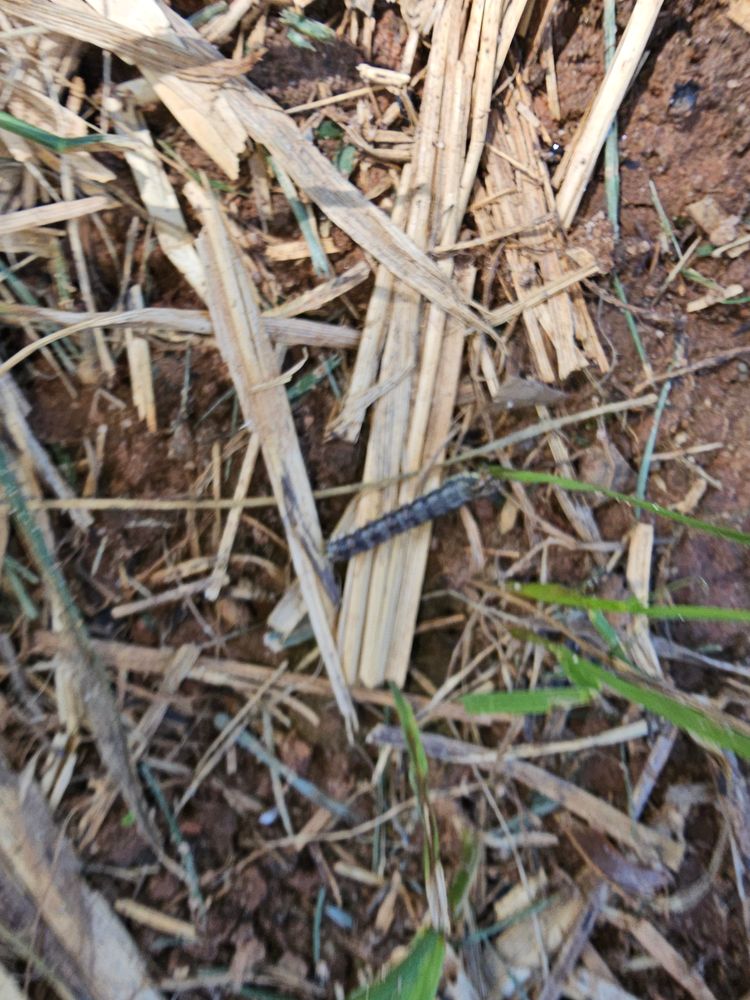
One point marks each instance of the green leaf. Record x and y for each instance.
(692, 275)
(416, 978)
(306, 25)
(463, 879)
(525, 702)
(609, 634)
(58, 143)
(346, 160)
(555, 593)
(329, 130)
(408, 722)
(575, 486)
(705, 722)
(299, 40)
(418, 773)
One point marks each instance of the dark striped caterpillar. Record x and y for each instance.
(452, 495)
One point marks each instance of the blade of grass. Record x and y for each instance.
(666, 225)
(303, 215)
(609, 635)
(611, 150)
(317, 921)
(706, 723)
(463, 879)
(89, 675)
(633, 328)
(549, 479)
(57, 143)
(416, 978)
(417, 757)
(418, 774)
(525, 702)
(640, 489)
(554, 593)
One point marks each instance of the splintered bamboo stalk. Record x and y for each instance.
(605, 106)
(411, 424)
(556, 324)
(348, 424)
(367, 576)
(250, 358)
(505, 20)
(368, 609)
(158, 195)
(233, 520)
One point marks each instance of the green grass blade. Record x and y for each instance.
(524, 702)
(417, 756)
(463, 879)
(611, 147)
(648, 450)
(58, 143)
(307, 26)
(554, 593)
(609, 635)
(632, 326)
(434, 875)
(416, 978)
(299, 210)
(15, 583)
(576, 486)
(707, 723)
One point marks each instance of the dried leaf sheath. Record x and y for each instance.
(249, 355)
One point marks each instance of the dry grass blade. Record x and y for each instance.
(157, 196)
(42, 863)
(652, 941)
(289, 332)
(638, 572)
(583, 154)
(319, 296)
(233, 519)
(250, 358)
(155, 919)
(59, 211)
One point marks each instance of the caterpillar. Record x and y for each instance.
(452, 495)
